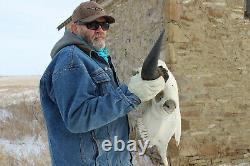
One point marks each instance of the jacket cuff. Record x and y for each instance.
(129, 97)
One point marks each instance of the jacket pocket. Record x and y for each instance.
(102, 81)
(100, 76)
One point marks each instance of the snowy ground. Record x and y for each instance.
(17, 95)
(15, 89)
(29, 146)
(4, 115)
(9, 97)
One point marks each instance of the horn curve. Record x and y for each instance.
(150, 64)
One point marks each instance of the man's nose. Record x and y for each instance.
(99, 29)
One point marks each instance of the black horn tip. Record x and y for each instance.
(150, 64)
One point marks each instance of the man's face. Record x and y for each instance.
(96, 38)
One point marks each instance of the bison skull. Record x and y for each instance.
(160, 118)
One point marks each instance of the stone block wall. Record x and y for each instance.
(208, 44)
(213, 75)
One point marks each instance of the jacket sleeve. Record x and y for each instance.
(81, 108)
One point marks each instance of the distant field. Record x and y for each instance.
(23, 138)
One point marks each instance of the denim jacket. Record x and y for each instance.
(83, 105)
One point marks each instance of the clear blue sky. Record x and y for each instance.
(28, 33)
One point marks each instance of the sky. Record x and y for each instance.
(28, 33)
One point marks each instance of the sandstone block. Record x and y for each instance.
(209, 149)
(215, 12)
(185, 125)
(176, 34)
(173, 10)
(171, 58)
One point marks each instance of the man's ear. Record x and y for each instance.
(73, 28)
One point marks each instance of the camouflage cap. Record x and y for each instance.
(89, 11)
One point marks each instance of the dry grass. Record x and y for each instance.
(27, 119)
(19, 97)
(8, 160)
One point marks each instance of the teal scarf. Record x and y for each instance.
(104, 54)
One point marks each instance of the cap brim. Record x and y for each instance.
(109, 19)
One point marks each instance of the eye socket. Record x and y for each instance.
(134, 72)
(159, 96)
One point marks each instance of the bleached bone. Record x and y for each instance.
(161, 118)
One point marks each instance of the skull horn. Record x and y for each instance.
(150, 64)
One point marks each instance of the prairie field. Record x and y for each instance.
(23, 138)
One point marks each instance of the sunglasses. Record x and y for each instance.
(94, 25)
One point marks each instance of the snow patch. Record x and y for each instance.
(4, 115)
(11, 98)
(28, 95)
(25, 148)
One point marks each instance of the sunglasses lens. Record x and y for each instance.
(105, 26)
(92, 25)
(96, 25)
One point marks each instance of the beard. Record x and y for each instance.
(98, 44)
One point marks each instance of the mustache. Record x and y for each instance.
(99, 35)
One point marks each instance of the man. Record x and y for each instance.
(82, 100)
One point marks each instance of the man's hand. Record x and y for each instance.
(145, 89)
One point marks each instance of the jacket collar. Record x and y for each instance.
(69, 39)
